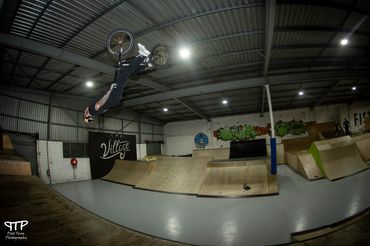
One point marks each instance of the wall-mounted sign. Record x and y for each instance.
(106, 148)
(201, 140)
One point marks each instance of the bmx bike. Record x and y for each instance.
(121, 41)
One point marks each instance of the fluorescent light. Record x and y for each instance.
(301, 93)
(344, 42)
(89, 84)
(225, 101)
(165, 109)
(354, 88)
(184, 53)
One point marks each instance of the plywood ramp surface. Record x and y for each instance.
(280, 157)
(22, 168)
(129, 172)
(292, 158)
(7, 142)
(333, 143)
(296, 144)
(304, 163)
(216, 154)
(363, 144)
(12, 163)
(177, 175)
(227, 179)
(342, 161)
(307, 166)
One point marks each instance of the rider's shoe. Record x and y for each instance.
(142, 50)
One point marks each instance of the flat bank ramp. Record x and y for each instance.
(183, 175)
(363, 144)
(338, 157)
(129, 172)
(238, 179)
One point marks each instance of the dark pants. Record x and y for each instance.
(115, 96)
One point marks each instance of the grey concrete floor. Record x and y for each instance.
(301, 205)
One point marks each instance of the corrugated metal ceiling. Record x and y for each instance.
(227, 39)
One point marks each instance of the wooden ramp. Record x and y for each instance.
(337, 157)
(280, 157)
(307, 166)
(129, 172)
(238, 179)
(303, 162)
(6, 142)
(363, 144)
(216, 154)
(299, 159)
(11, 162)
(182, 175)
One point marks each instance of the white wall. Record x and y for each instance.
(61, 169)
(357, 114)
(179, 136)
(140, 151)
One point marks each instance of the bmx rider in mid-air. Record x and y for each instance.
(114, 95)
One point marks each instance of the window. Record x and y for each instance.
(72, 150)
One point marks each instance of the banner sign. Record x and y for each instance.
(106, 148)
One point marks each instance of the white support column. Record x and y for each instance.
(270, 110)
(272, 139)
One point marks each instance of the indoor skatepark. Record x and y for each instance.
(247, 124)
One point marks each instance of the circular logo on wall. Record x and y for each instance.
(201, 140)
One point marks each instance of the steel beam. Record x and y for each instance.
(269, 33)
(247, 83)
(28, 45)
(191, 108)
(326, 94)
(325, 3)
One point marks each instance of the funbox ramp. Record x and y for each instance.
(299, 159)
(11, 162)
(304, 163)
(182, 175)
(238, 179)
(129, 172)
(337, 157)
(363, 144)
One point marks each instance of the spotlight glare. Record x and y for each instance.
(301, 93)
(344, 42)
(354, 88)
(89, 84)
(165, 109)
(224, 102)
(184, 53)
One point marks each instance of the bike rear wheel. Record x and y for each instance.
(160, 55)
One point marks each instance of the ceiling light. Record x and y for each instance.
(354, 88)
(184, 53)
(89, 84)
(301, 93)
(224, 101)
(344, 42)
(165, 109)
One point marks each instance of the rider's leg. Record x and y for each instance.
(114, 95)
